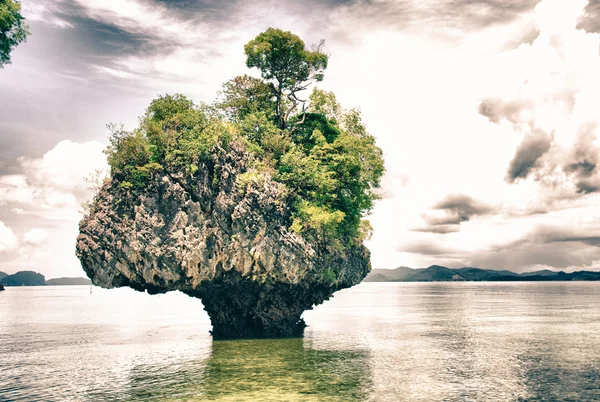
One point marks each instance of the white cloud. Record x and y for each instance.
(57, 179)
(48, 192)
(44, 13)
(35, 237)
(8, 240)
(428, 124)
(551, 88)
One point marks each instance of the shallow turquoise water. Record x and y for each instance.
(376, 341)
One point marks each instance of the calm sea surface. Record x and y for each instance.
(376, 341)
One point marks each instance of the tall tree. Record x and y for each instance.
(288, 66)
(12, 29)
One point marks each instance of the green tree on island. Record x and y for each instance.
(13, 30)
(328, 162)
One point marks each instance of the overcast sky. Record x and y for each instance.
(486, 110)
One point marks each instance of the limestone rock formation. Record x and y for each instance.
(214, 237)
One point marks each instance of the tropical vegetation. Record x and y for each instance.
(328, 163)
(13, 29)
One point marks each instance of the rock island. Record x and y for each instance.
(254, 204)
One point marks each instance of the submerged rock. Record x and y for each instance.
(221, 239)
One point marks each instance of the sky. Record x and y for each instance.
(486, 111)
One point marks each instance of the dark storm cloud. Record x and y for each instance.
(448, 214)
(204, 9)
(557, 247)
(582, 164)
(588, 187)
(462, 207)
(584, 161)
(557, 256)
(99, 40)
(448, 18)
(570, 238)
(528, 155)
(496, 110)
(92, 39)
(590, 22)
(563, 235)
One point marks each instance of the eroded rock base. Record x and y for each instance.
(242, 308)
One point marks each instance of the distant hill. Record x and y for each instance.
(545, 272)
(31, 278)
(68, 281)
(437, 273)
(24, 278)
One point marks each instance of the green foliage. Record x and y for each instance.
(326, 160)
(174, 132)
(13, 30)
(245, 95)
(311, 216)
(312, 122)
(325, 103)
(287, 67)
(281, 56)
(244, 180)
(365, 230)
(329, 276)
(126, 151)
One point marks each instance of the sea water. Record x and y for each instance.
(470, 341)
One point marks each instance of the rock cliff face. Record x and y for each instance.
(214, 238)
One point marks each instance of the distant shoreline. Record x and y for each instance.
(31, 278)
(437, 273)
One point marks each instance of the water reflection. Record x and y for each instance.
(258, 370)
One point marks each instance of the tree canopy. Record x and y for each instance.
(287, 66)
(328, 163)
(13, 30)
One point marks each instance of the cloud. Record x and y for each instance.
(439, 229)
(527, 155)
(582, 163)
(590, 20)
(8, 240)
(590, 236)
(552, 246)
(35, 237)
(53, 186)
(41, 202)
(58, 177)
(447, 215)
(496, 110)
(428, 248)
(462, 207)
(468, 14)
(552, 86)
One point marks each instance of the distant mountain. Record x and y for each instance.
(544, 272)
(437, 273)
(389, 275)
(434, 273)
(24, 278)
(68, 281)
(30, 278)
